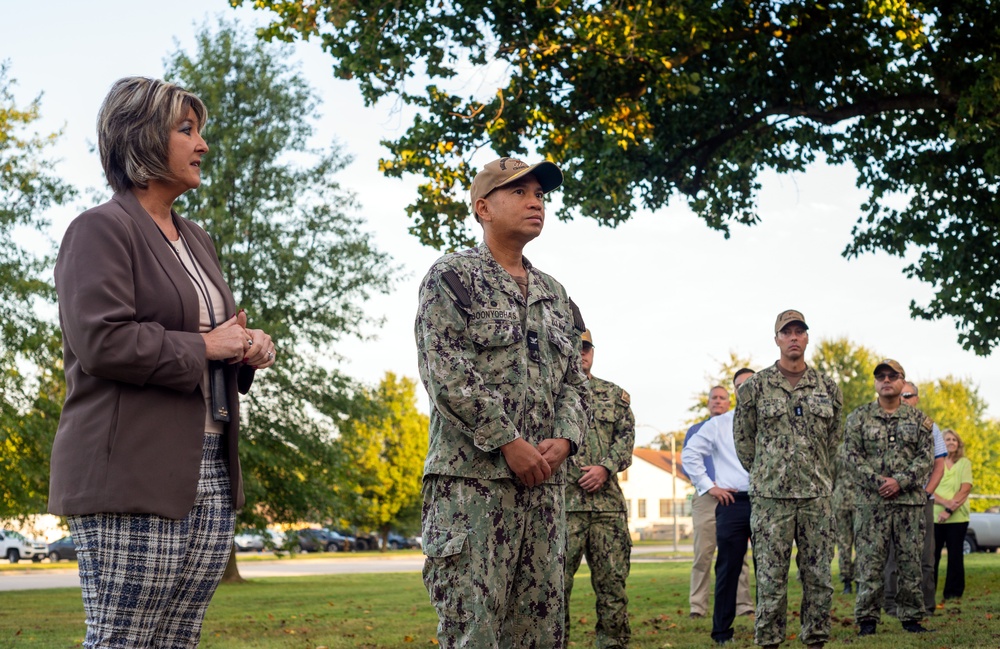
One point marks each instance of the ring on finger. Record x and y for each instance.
(249, 342)
(270, 355)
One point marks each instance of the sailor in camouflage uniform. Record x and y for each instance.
(890, 449)
(843, 516)
(787, 428)
(596, 518)
(499, 354)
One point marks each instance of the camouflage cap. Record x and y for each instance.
(788, 317)
(506, 170)
(587, 337)
(892, 365)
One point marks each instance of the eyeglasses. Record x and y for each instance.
(908, 395)
(887, 376)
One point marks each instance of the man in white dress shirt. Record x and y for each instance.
(732, 514)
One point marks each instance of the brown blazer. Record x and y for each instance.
(131, 431)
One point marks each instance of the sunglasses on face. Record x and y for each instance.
(908, 395)
(887, 376)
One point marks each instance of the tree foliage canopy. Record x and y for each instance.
(383, 456)
(641, 100)
(31, 386)
(295, 258)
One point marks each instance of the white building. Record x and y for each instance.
(654, 496)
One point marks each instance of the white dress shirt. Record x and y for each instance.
(715, 439)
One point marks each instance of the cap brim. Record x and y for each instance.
(546, 173)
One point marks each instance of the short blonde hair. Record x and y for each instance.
(134, 126)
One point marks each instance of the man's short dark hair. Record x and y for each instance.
(740, 372)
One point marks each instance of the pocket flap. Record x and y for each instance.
(444, 543)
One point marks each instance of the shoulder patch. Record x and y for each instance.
(461, 294)
(927, 424)
(626, 399)
(577, 316)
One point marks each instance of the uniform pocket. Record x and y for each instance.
(448, 575)
(820, 406)
(772, 408)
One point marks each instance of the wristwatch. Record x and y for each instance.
(930, 496)
(949, 510)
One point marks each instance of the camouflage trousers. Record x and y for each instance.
(495, 562)
(876, 528)
(603, 537)
(844, 523)
(775, 523)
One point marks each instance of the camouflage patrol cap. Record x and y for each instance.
(787, 317)
(587, 337)
(892, 365)
(506, 170)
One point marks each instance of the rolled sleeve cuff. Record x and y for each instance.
(493, 435)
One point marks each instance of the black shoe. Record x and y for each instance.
(914, 627)
(847, 588)
(867, 628)
(695, 616)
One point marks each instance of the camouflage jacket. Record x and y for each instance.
(787, 438)
(608, 442)
(900, 446)
(496, 366)
(843, 481)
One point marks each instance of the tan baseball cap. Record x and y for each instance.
(587, 337)
(892, 365)
(506, 170)
(788, 317)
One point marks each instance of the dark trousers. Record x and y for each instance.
(951, 536)
(732, 532)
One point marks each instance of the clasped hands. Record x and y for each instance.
(888, 487)
(233, 342)
(533, 465)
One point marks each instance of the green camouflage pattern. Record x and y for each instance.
(898, 445)
(877, 527)
(843, 516)
(495, 562)
(775, 523)
(787, 438)
(497, 367)
(597, 523)
(604, 538)
(608, 442)
(486, 387)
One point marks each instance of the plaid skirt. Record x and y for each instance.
(147, 580)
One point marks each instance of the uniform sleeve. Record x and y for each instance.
(916, 475)
(448, 368)
(697, 446)
(865, 476)
(94, 278)
(619, 455)
(745, 423)
(573, 402)
(837, 425)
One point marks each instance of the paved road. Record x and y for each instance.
(36, 579)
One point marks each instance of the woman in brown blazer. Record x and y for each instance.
(145, 464)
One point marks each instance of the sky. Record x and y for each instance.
(667, 299)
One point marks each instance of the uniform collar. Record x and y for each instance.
(497, 276)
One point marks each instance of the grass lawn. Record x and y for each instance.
(391, 610)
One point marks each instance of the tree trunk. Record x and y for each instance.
(232, 574)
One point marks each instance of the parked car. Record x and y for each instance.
(15, 547)
(364, 541)
(983, 534)
(397, 542)
(64, 548)
(248, 542)
(320, 540)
